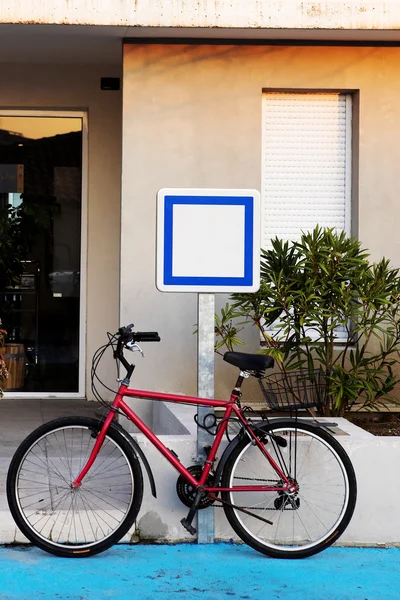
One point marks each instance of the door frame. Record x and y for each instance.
(78, 114)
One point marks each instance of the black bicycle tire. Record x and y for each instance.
(129, 518)
(345, 519)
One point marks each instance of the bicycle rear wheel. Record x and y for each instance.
(66, 521)
(305, 522)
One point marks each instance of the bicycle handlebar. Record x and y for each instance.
(127, 335)
(146, 336)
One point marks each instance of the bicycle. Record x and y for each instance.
(287, 487)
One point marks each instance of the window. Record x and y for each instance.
(306, 165)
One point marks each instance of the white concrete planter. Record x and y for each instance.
(376, 521)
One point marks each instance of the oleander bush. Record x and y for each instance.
(323, 304)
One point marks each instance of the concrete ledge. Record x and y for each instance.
(249, 14)
(376, 521)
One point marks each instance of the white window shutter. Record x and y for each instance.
(306, 163)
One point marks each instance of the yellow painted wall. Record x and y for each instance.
(192, 118)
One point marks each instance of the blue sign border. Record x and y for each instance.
(247, 202)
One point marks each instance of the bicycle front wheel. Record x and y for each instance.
(306, 521)
(67, 521)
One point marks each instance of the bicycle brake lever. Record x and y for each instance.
(134, 347)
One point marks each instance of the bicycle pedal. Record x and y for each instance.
(192, 530)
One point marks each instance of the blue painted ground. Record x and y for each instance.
(189, 571)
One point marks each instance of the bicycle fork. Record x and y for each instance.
(96, 449)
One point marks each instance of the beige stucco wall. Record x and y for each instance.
(78, 87)
(192, 118)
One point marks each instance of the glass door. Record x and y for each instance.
(41, 252)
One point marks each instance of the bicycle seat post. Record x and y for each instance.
(237, 392)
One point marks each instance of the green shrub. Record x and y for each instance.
(310, 291)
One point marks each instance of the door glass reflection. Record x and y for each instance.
(40, 251)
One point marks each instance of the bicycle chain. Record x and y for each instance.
(255, 479)
(252, 479)
(246, 507)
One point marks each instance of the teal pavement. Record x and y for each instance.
(209, 572)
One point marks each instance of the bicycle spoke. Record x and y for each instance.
(86, 505)
(65, 519)
(102, 507)
(53, 511)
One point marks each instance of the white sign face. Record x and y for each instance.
(208, 240)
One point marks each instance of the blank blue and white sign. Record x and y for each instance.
(208, 240)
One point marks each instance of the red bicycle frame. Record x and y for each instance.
(230, 407)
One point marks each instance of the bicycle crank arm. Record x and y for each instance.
(215, 498)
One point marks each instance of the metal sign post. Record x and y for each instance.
(205, 389)
(208, 241)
